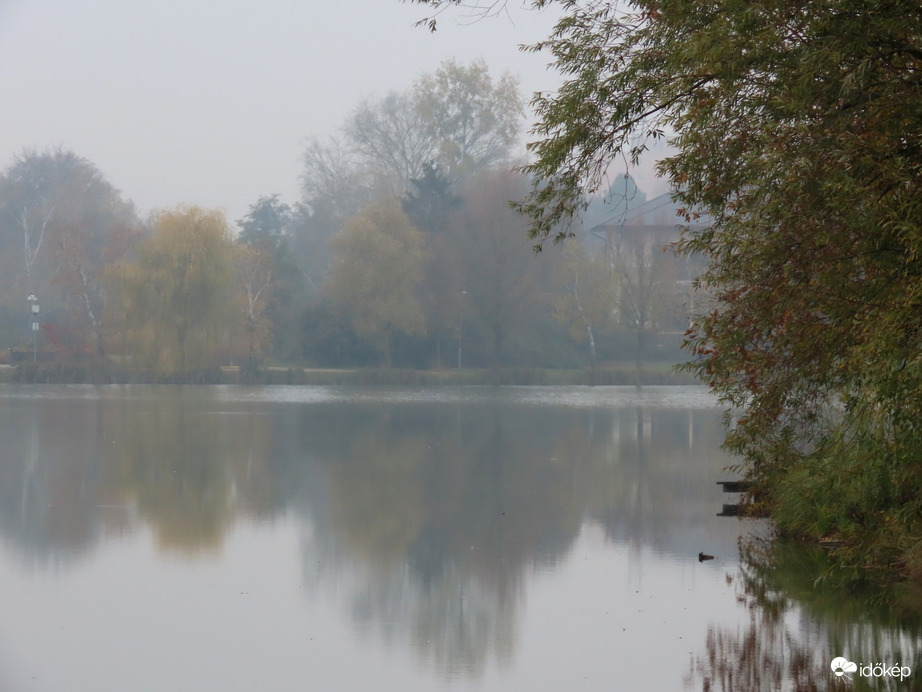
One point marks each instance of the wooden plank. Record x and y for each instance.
(735, 486)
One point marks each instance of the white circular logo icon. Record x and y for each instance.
(840, 666)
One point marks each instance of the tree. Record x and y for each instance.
(176, 297)
(474, 120)
(266, 224)
(797, 127)
(393, 140)
(83, 268)
(269, 276)
(61, 225)
(588, 298)
(378, 263)
(499, 274)
(430, 204)
(255, 273)
(334, 182)
(334, 187)
(35, 188)
(644, 269)
(457, 119)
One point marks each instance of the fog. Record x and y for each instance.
(136, 134)
(193, 102)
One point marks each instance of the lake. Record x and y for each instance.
(188, 538)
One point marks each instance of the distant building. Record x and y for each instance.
(657, 291)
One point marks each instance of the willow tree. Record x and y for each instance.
(798, 127)
(177, 298)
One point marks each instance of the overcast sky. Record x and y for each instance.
(209, 103)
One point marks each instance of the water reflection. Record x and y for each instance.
(434, 517)
(423, 518)
(88, 468)
(441, 512)
(50, 484)
(188, 472)
(801, 618)
(429, 518)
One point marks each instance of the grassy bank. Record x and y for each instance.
(869, 515)
(861, 502)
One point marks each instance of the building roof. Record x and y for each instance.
(660, 212)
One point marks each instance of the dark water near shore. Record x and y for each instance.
(334, 538)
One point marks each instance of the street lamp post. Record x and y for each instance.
(34, 310)
(461, 295)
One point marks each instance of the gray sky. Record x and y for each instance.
(209, 103)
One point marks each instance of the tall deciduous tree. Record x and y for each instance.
(430, 204)
(393, 140)
(334, 186)
(61, 224)
(474, 119)
(378, 263)
(177, 297)
(588, 300)
(498, 271)
(334, 182)
(644, 269)
(798, 127)
(459, 119)
(269, 276)
(255, 274)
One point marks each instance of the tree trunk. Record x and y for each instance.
(251, 330)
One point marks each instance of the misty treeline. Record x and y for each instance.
(403, 250)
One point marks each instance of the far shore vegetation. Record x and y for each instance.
(652, 374)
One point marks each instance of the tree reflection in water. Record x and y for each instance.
(801, 617)
(431, 521)
(427, 522)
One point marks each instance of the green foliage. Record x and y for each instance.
(813, 180)
(269, 276)
(266, 223)
(430, 205)
(328, 338)
(798, 127)
(430, 200)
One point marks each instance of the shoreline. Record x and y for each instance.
(107, 373)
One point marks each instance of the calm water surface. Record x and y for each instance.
(331, 538)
